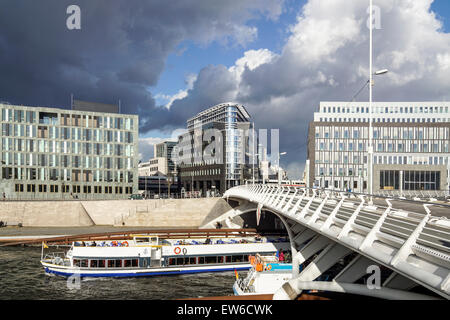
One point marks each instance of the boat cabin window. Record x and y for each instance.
(207, 260)
(129, 263)
(211, 259)
(110, 263)
(192, 260)
(239, 258)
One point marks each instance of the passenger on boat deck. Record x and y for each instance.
(208, 241)
(94, 244)
(83, 244)
(281, 256)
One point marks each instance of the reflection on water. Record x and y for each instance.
(22, 277)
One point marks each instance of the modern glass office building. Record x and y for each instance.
(410, 140)
(51, 153)
(200, 173)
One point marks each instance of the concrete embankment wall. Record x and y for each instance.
(150, 213)
(44, 213)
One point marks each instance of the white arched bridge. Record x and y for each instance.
(328, 229)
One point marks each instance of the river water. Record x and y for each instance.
(22, 277)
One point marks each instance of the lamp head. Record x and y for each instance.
(380, 72)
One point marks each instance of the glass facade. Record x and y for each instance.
(57, 153)
(231, 120)
(412, 180)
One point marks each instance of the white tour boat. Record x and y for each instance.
(151, 256)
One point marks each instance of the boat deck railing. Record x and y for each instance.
(127, 235)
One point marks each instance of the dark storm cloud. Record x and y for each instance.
(119, 52)
(214, 85)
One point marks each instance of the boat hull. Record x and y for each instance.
(139, 272)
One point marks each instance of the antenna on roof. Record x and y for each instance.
(71, 101)
(119, 105)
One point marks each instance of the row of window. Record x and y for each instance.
(386, 120)
(382, 133)
(339, 171)
(44, 132)
(376, 109)
(221, 114)
(45, 174)
(205, 172)
(72, 189)
(437, 146)
(51, 118)
(356, 159)
(53, 160)
(106, 263)
(342, 184)
(30, 145)
(207, 260)
(357, 171)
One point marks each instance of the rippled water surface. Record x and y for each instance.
(22, 277)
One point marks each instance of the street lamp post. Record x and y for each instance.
(371, 74)
(253, 159)
(370, 149)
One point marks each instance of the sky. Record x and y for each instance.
(168, 60)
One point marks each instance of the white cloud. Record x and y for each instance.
(252, 59)
(190, 79)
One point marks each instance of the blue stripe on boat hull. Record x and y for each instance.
(140, 274)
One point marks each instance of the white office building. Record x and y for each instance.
(410, 145)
